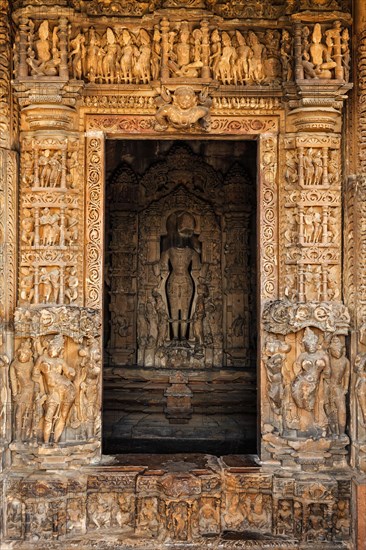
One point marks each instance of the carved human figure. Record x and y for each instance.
(49, 227)
(77, 56)
(26, 285)
(184, 112)
(127, 57)
(256, 67)
(54, 378)
(360, 387)
(181, 250)
(215, 53)
(72, 285)
(92, 55)
(275, 351)
(162, 318)
(141, 66)
(338, 386)
(89, 386)
(44, 168)
(45, 281)
(318, 167)
(244, 52)
(45, 58)
(284, 523)
(22, 387)
(156, 53)
(320, 55)
(346, 55)
(142, 326)
(27, 225)
(286, 56)
(310, 387)
(309, 168)
(4, 394)
(199, 315)
(226, 65)
(72, 230)
(309, 225)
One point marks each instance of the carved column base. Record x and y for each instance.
(306, 454)
(50, 457)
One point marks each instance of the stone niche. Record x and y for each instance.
(180, 308)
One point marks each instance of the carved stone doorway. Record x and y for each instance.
(180, 310)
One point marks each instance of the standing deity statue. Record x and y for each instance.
(22, 387)
(360, 387)
(54, 378)
(89, 387)
(310, 387)
(338, 387)
(180, 264)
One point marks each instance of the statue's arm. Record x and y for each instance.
(13, 380)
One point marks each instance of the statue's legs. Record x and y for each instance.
(48, 420)
(179, 293)
(61, 421)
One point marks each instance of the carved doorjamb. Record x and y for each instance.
(265, 129)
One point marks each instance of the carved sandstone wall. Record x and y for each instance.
(88, 71)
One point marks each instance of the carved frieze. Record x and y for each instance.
(55, 376)
(284, 317)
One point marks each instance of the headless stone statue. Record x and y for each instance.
(180, 262)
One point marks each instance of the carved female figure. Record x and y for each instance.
(338, 386)
(360, 387)
(215, 53)
(55, 165)
(92, 56)
(54, 375)
(27, 235)
(244, 53)
(77, 56)
(26, 285)
(22, 387)
(127, 57)
(156, 54)
(256, 67)
(226, 64)
(308, 389)
(89, 386)
(44, 169)
(109, 59)
(141, 68)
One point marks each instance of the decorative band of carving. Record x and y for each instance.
(94, 221)
(285, 317)
(269, 224)
(146, 124)
(74, 322)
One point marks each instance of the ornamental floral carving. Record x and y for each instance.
(284, 317)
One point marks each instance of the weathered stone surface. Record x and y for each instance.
(85, 76)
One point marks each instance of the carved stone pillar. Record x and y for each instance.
(306, 370)
(8, 183)
(355, 279)
(55, 375)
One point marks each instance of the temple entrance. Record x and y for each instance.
(180, 297)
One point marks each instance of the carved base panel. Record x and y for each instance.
(203, 501)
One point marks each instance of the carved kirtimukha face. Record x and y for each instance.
(184, 98)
